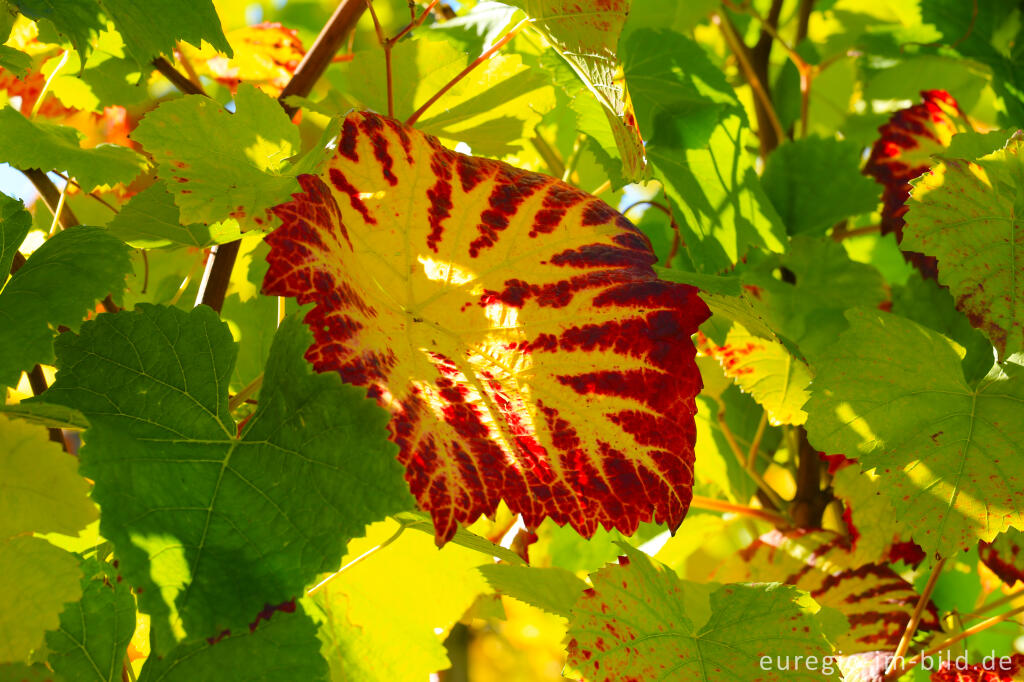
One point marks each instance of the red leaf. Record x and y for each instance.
(511, 323)
(903, 151)
(988, 671)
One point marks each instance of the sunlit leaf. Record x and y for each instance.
(58, 285)
(265, 55)
(903, 151)
(35, 144)
(219, 164)
(586, 34)
(1008, 668)
(387, 616)
(553, 589)
(15, 223)
(151, 219)
(511, 324)
(211, 526)
(642, 622)
(964, 213)
(948, 455)
(875, 600)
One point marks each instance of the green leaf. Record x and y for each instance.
(421, 521)
(218, 164)
(725, 212)
(40, 491)
(34, 144)
(876, 526)
(105, 78)
(387, 615)
(44, 414)
(148, 29)
(586, 34)
(285, 648)
(19, 672)
(766, 370)
(494, 109)
(554, 590)
(678, 94)
(642, 622)
(38, 579)
(214, 526)
(15, 61)
(893, 394)
(92, 640)
(15, 223)
(150, 220)
(58, 285)
(965, 213)
(815, 182)
(925, 302)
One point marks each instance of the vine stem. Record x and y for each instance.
(387, 57)
(711, 504)
(217, 275)
(373, 550)
(742, 458)
(915, 617)
(1013, 596)
(247, 391)
(462, 74)
(755, 445)
(733, 41)
(893, 675)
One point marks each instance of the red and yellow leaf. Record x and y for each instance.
(266, 55)
(1005, 555)
(903, 151)
(875, 600)
(512, 325)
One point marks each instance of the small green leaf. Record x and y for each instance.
(34, 144)
(893, 394)
(725, 212)
(151, 220)
(15, 223)
(218, 164)
(15, 61)
(966, 214)
(214, 526)
(92, 640)
(58, 285)
(284, 648)
(642, 622)
(816, 182)
(45, 414)
(678, 94)
(554, 590)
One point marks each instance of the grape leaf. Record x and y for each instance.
(875, 600)
(494, 109)
(725, 211)
(38, 579)
(93, 637)
(282, 648)
(15, 223)
(387, 616)
(767, 371)
(149, 30)
(964, 213)
(792, 179)
(35, 144)
(553, 589)
(58, 285)
(218, 164)
(1005, 555)
(208, 525)
(678, 94)
(586, 34)
(641, 622)
(265, 55)
(511, 323)
(44, 414)
(939, 446)
(39, 493)
(873, 527)
(151, 219)
(903, 151)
